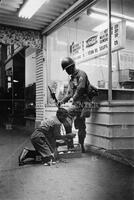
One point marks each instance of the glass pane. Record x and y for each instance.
(30, 82)
(57, 49)
(125, 57)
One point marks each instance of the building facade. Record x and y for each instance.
(83, 33)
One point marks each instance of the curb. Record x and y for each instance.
(105, 153)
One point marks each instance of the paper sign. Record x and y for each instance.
(97, 45)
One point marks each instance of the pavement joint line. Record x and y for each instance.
(18, 168)
(13, 154)
(103, 152)
(128, 161)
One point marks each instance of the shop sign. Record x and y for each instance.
(97, 45)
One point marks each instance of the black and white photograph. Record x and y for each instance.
(66, 100)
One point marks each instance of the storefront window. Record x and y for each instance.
(123, 56)
(125, 66)
(58, 48)
(85, 38)
(30, 82)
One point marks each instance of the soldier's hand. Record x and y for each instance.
(59, 104)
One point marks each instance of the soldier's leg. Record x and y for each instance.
(81, 136)
(81, 126)
(72, 112)
(68, 128)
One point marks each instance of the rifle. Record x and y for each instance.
(53, 96)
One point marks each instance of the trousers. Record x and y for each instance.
(41, 145)
(79, 122)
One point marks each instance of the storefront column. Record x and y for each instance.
(109, 53)
(41, 82)
(45, 76)
(39, 87)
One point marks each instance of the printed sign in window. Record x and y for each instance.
(97, 45)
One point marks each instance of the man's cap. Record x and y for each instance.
(67, 62)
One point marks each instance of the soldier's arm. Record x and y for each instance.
(81, 86)
(68, 95)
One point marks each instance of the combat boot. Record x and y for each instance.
(83, 148)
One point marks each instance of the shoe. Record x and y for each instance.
(22, 156)
(83, 151)
(46, 164)
(48, 161)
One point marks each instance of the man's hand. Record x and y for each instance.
(70, 135)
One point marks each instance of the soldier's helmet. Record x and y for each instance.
(67, 62)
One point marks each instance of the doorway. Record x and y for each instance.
(17, 86)
(14, 88)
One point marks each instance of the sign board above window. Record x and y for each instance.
(97, 45)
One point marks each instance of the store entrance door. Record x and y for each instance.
(15, 86)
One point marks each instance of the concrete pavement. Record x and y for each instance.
(91, 177)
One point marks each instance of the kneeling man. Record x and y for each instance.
(44, 138)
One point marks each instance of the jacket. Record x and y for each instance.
(78, 87)
(51, 130)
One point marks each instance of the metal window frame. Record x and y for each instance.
(74, 10)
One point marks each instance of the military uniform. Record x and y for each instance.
(78, 88)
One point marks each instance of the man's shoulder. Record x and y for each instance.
(81, 73)
(50, 121)
(56, 121)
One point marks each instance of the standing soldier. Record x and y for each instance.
(78, 90)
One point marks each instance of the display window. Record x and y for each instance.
(85, 39)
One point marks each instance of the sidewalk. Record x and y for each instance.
(90, 177)
(12, 142)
